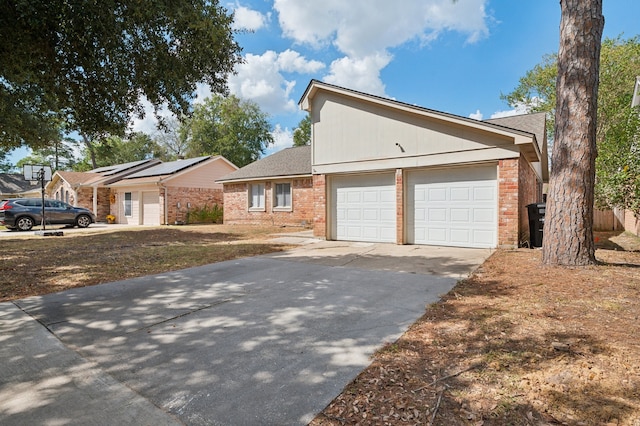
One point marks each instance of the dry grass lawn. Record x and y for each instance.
(41, 265)
(515, 344)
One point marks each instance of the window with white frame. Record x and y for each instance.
(127, 204)
(256, 196)
(282, 196)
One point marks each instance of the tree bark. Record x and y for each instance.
(92, 152)
(568, 230)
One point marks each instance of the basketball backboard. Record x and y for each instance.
(33, 171)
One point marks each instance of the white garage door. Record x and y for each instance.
(453, 207)
(364, 208)
(150, 208)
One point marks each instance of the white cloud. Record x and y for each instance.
(365, 30)
(260, 79)
(476, 115)
(292, 61)
(149, 124)
(518, 110)
(247, 19)
(283, 138)
(359, 74)
(361, 27)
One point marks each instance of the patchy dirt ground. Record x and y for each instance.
(515, 344)
(32, 266)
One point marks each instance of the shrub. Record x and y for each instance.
(205, 214)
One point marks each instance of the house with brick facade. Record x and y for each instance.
(275, 190)
(90, 189)
(387, 171)
(165, 193)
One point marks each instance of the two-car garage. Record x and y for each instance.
(448, 207)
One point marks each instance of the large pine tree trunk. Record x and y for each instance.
(568, 231)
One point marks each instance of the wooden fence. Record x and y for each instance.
(608, 220)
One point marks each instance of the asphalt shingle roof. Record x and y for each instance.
(79, 178)
(530, 123)
(294, 161)
(13, 183)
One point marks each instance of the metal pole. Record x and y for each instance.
(41, 179)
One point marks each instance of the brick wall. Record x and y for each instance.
(85, 198)
(518, 186)
(63, 192)
(508, 203)
(320, 206)
(198, 197)
(104, 206)
(236, 210)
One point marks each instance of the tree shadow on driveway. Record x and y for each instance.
(250, 341)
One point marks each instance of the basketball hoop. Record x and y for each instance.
(40, 173)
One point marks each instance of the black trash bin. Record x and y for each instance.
(536, 223)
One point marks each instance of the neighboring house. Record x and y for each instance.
(275, 190)
(387, 171)
(13, 185)
(89, 189)
(164, 194)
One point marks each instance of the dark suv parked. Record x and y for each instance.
(24, 213)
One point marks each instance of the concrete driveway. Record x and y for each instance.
(268, 340)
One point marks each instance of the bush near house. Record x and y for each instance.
(205, 214)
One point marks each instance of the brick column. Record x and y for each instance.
(400, 234)
(508, 203)
(320, 206)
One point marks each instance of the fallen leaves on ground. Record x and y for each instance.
(515, 344)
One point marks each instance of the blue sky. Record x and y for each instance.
(456, 57)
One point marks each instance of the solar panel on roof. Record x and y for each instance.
(167, 168)
(117, 168)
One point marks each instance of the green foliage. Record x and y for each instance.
(59, 155)
(89, 63)
(537, 90)
(302, 134)
(116, 150)
(5, 165)
(228, 126)
(205, 214)
(618, 127)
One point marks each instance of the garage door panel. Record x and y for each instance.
(460, 194)
(460, 215)
(388, 216)
(460, 236)
(370, 215)
(456, 207)
(484, 216)
(388, 196)
(353, 197)
(150, 208)
(483, 237)
(484, 193)
(436, 194)
(437, 215)
(364, 208)
(436, 234)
